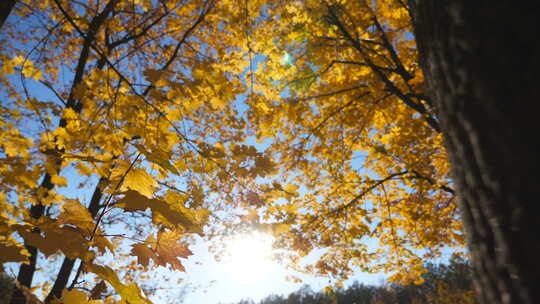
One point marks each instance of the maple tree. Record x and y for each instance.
(149, 103)
(367, 135)
(127, 99)
(358, 133)
(360, 95)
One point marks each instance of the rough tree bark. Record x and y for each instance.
(481, 60)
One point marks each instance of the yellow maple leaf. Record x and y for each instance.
(139, 180)
(83, 169)
(153, 75)
(130, 293)
(291, 189)
(59, 180)
(12, 252)
(159, 158)
(76, 297)
(69, 240)
(166, 250)
(133, 179)
(74, 213)
(167, 213)
(143, 254)
(264, 166)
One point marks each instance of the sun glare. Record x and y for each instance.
(249, 256)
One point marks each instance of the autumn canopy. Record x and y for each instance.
(128, 126)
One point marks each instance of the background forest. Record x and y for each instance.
(444, 284)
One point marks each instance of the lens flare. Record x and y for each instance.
(249, 257)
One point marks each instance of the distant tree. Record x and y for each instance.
(443, 284)
(273, 299)
(357, 293)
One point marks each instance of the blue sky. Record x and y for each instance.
(209, 281)
(206, 280)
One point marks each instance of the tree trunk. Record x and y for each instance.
(26, 271)
(6, 6)
(67, 265)
(481, 60)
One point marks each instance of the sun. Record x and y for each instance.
(249, 256)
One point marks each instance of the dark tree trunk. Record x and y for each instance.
(26, 271)
(67, 265)
(6, 6)
(481, 60)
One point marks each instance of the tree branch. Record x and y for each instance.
(390, 86)
(353, 201)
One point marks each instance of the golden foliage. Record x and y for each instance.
(155, 111)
